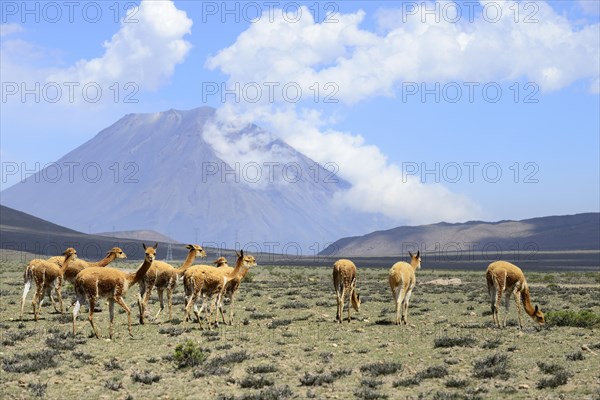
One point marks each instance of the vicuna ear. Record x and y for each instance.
(418, 253)
(241, 253)
(189, 247)
(410, 254)
(144, 245)
(155, 246)
(536, 309)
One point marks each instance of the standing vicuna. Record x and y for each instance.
(503, 276)
(76, 266)
(402, 281)
(109, 283)
(46, 275)
(207, 281)
(344, 279)
(161, 276)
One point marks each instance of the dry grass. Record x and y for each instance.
(285, 344)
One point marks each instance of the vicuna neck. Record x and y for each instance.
(107, 260)
(188, 262)
(527, 302)
(238, 271)
(138, 275)
(66, 262)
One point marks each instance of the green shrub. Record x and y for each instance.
(578, 319)
(188, 354)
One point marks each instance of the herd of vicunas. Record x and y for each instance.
(94, 280)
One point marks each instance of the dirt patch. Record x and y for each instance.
(444, 282)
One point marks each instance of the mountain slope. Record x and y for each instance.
(169, 172)
(570, 232)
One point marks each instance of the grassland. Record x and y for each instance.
(284, 344)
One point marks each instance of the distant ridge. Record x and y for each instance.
(143, 234)
(566, 232)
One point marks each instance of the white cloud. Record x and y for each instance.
(550, 51)
(143, 52)
(10, 29)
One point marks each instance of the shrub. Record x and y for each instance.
(492, 366)
(367, 393)
(38, 389)
(578, 319)
(557, 379)
(11, 338)
(145, 377)
(381, 368)
(456, 383)
(261, 369)
(371, 383)
(113, 384)
(436, 371)
(410, 381)
(30, 362)
(278, 322)
(188, 354)
(447, 341)
(575, 356)
(256, 382)
(112, 365)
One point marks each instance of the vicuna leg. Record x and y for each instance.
(231, 303)
(341, 301)
(506, 306)
(170, 302)
(498, 302)
(405, 306)
(119, 300)
(350, 302)
(399, 298)
(111, 313)
(92, 304)
(517, 295)
(161, 301)
(39, 293)
(25, 291)
(141, 300)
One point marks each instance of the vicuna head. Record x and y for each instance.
(538, 316)
(220, 261)
(199, 250)
(117, 252)
(70, 252)
(415, 260)
(150, 252)
(246, 260)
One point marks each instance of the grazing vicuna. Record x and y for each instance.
(110, 283)
(46, 275)
(208, 281)
(344, 280)
(402, 281)
(502, 276)
(161, 276)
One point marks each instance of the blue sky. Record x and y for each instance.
(414, 158)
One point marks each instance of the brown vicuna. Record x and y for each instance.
(208, 281)
(46, 275)
(96, 282)
(231, 288)
(161, 276)
(76, 266)
(344, 281)
(402, 281)
(503, 276)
